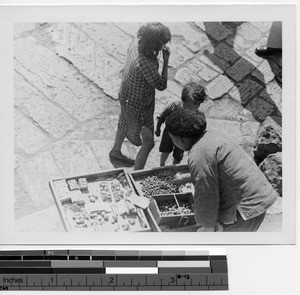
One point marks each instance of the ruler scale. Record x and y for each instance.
(113, 270)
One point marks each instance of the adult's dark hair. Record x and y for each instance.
(151, 38)
(186, 123)
(193, 91)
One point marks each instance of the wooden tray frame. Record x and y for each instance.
(95, 177)
(134, 174)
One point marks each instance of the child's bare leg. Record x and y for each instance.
(115, 152)
(163, 158)
(147, 146)
(175, 161)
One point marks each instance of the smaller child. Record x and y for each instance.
(192, 96)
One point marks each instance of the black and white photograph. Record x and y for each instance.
(134, 127)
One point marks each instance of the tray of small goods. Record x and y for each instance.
(173, 210)
(159, 181)
(99, 202)
(158, 184)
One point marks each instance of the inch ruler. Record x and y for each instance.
(120, 270)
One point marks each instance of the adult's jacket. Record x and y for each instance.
(226, 179)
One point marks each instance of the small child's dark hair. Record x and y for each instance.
(193, 91)
(186, 123)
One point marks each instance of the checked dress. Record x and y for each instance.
(137, 93)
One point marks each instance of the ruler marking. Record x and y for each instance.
(179, 280)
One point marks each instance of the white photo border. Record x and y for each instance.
(136, 13)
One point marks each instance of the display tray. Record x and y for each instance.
(98, 202)
(173, 210)
(159, 181)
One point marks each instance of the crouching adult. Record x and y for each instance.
(231, 192)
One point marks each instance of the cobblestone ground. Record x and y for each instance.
(67, 77)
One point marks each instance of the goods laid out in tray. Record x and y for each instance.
(170, 204)
(160, 181)
(173, 210)
(98, 202)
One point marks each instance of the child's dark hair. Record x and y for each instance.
(151, 38)
(186, 123)
(193, 91)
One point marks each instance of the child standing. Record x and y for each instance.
(192, 96)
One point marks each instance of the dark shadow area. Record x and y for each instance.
(252, 88)
(120, 164)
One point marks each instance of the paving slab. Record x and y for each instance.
(100, 127)
(74, 158)
(249, 32)
(271, 223)
(88, 56)
(163, 99)
(23, 90)
(255, 59)
(185, 75)
(174, 88)
(57, 80)
(260, 109)
(28, 136)
(102, 33)
(243, 92)
(239, 44)
(35, 175)
(47, 220)
(215, 30)
(250, 129)
(262, 26)
(129, 27)
(240, 70)
(218, 87)
(23, 204)
(227, 108)
(201, 69)
(179, 54)
(193, 39)
(226, 53)
(100, 149)
(228, 127)
(49, 117)
(214, 62)
(266, 71)
(274, 95)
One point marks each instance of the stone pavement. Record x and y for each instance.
(67, 77)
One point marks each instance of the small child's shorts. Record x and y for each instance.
(167, 146)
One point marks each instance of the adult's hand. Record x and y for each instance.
(182, 178)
